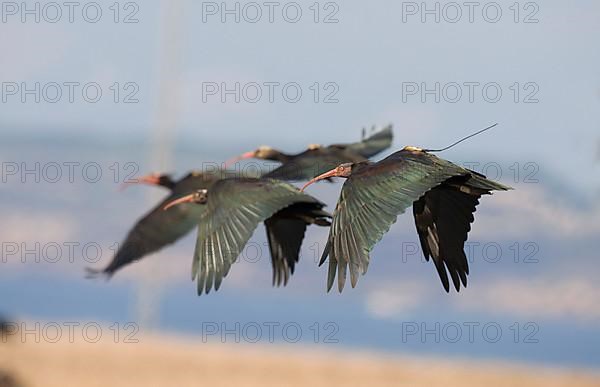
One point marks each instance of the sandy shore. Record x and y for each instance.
(164, 361)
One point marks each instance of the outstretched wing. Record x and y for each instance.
(285, 239)
(443, 218)
(159, 228)
(285, 232)
(372, 145)
(234, 209)
(370, 201)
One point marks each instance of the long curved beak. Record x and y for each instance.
(184, 199)
(151, 179)
(332, 173)
(243, 156)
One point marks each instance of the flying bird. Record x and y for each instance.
(318, 159)
(158, 228)
(233, 208)
(443, 196)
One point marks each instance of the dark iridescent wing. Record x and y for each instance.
(372, 145)
(285, 239)
(285, 232)
(159, 228)
(370, 201)
(443, 218)
(234, 209)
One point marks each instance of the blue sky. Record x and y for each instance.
(369, 58)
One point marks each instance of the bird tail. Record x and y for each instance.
(377, 142)
(384, 134)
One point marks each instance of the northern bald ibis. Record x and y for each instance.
(159, 228)
(443, 196)
(232, 209)
(318, 159)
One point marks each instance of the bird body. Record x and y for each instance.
(227, 210)
(233, 208)
(317, 159)
(158, 228)
(443, 195)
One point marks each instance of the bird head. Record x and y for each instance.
(263, 152)
(342, 170)
(198, 197)
(158, 179)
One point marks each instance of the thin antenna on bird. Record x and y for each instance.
(461, 140)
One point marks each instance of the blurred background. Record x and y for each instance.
(96, 93)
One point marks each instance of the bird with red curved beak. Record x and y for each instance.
(155, 178)
(443, 196)
(233, 208)
(316, 159)
(198, 197)
(157, 228)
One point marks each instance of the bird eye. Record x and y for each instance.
(200, 197)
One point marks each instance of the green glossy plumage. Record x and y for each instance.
(376, 193)
(234, 209)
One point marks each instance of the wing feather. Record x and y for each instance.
(370, 201)
(449, 210)
(285, 239)
(234, 209)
